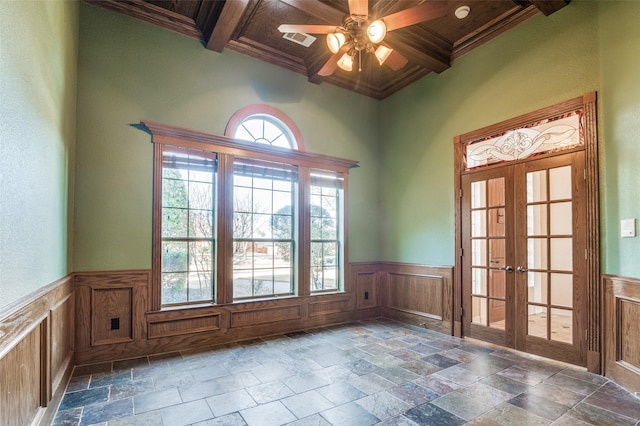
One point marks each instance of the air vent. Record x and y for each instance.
(300, 38)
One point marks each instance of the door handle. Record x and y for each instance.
(522, 270)
(506, 268)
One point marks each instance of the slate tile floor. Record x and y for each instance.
(373, 372)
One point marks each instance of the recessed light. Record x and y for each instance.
(462, 12)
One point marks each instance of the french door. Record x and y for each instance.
(524, 256)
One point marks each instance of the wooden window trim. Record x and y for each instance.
(227, 149)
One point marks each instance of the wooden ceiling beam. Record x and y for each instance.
(547, 7)
(318, 10)
(225, 25)
(431, 60)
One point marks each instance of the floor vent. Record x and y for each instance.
(300, 38)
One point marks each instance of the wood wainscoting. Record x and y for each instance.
(418, 294)
(114, 319)
(36, 354)
(621, 331)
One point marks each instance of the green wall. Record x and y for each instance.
(620, 122)
(130, 71)
(38, 56)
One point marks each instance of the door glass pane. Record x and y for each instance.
(497, 283)
(496, 253)
(537, 324)
(479, 310)
(479, 252)
(479, 223)
(495, 197)
(479, 281)
(562, 254)
(537, 287)
(496, 222)
(561, 219)
(560, 183)
(537, 219)
(562, 290)
(536, 253)
(496, 314)
(562, 325)
(537, 186)
(478, 194)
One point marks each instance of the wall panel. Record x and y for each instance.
(621, 330)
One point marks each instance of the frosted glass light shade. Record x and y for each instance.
(376, 31)
(346, 62)
(335, 41)
(382, 53)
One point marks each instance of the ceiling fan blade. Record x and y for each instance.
(395, 61)
(332, 63)
(307, 29)
(359, 7)
(414, 15)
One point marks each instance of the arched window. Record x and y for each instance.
(265, 124)
(239, 221)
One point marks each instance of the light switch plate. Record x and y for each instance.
(627, 228)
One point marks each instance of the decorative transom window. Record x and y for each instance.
(236, 222)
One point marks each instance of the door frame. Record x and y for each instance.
(587, 103)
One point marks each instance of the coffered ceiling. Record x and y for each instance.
(250, 27)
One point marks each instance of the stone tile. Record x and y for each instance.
(155, 400)
(459, 355)
(78, 383)
(336, 373)
(164, 358)
(84, 397)
(556, 394)
(85, 370)
(350, 414)
(523, 375)
(186, 414)
(173, 379)
(150, 418)
(383, 405)
(270, 372)
(105, 379)
(340, 393)
(439, 385)
(424, 349)
(230, 402)
(413, 394)
(429, 414)
(209, 372)
(571, 383)
(440, 360)
(538, 405)
(371, 383)
(597, 416)
(406, 354)
(307, 403)
(421, 368)
(613, 398)
(96, 413)
(333, 358)
(236, 381)
(397, 375)
(234, 419)
(505, 384)
(200, 390)
(271, 414)
(314, 420)
(398, 421)
(567, 420)
(458, 375)
(302, 382)
(362, 367)
(70, 417)
(127, 364)
(486, 365)
(507, 414)
(584, 375)
(131, 388)
(268, 392)
(464, 406)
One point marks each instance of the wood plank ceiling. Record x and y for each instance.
(250, 27)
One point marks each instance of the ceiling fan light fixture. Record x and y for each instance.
(346, 62)
(462, 12)
(376, 31)
(382, 53)
(335, 41)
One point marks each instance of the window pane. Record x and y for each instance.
(174, 288)
(562, 254)
(479, 281)
(536, 186)
(200, 223)
(479, 223)
(478, 191)
(174, 223)
(537, 219)
(537, 324)
(537, 253)
(479, 310)
(561, 218)
(562, 290)
(560, 183)
(537, 287)
(562, 325)
(479, 252)
(174, 256)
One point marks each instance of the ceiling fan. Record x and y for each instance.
(360, 33)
